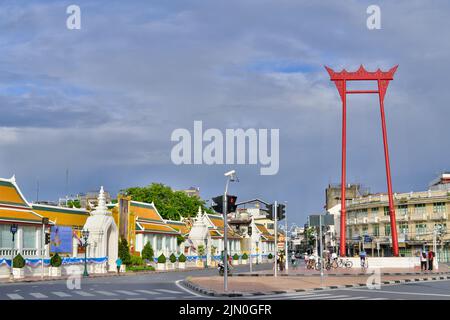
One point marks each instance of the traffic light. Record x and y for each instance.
(281, 212)
(249, 230)
(218, 206)
(269, 211)
(47, 238)
(231, 204)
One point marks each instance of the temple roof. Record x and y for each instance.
(62, 216)
(180, 226)
(146, 227)
(19, 215)
(145, 211)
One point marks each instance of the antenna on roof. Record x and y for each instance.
(67, 184)
(37, 190)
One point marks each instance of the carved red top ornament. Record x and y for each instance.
(362, 74)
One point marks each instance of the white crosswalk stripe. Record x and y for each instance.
(83, 293)
(14, 296)
(61, 294)
(350, 298)
(38, 295)
(377, 299)
(128, 293)
(147, 292)
(324, 298)
(106, 293)
(169, 291)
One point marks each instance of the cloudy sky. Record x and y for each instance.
(103, 101)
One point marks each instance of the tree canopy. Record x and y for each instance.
(170, 204)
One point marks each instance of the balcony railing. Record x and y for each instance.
(7, 253)
(373, 220)
(438, 216)
(385, 218)
(418, 217)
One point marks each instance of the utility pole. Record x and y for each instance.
(275, 213)
(321, 250)
(286, 242)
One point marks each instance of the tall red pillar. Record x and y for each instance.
(340, 80)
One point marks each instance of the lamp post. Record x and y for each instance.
(231, 176)
(13, 230)
(85, 236)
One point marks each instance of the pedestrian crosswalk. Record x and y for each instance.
(137, 294)
(316, 296)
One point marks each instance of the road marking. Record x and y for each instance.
(401, 292)
(330, 297)
(15, 296)
(38, 295)
(61, 294)
(128, 293)
(106, 293)
(312, 296)
(147, 291)
(163, 298)
(379, 299)
(177, 283)
(83, 293)
(296, 294)
(136, 299)
(169, 291)
(351, 298)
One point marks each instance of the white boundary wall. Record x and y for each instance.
(390, 262)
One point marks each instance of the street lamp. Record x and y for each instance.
(85, 236)
(231, 176)
(13, 230)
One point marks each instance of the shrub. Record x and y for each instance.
(136, 261)
(124, 252)
(140, 268)
(270, 256)
(244, 256)
(162, 258)
(18, 262)
(173, 258)
(182, 258)
(147, 252)
(56, 261)
(236, 256)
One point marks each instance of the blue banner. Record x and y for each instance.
(61, 239)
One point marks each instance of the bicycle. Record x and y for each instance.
(344, 263)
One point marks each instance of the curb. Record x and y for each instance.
(213, 293)
(337, 274)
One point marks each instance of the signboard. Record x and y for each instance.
(61, 239)
(123, 219)
(327, 220)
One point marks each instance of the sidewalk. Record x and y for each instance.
(249, 285)
(92, 275)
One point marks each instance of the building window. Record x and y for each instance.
(402, 209)
(158, 242)
(29, 237)
(365, 230)
(421, 228)
(376, 230)
(403, 227)
(438, 207)
(5, 237)
(375, 210)
(419, 208)
(386, 211)
(387, 230)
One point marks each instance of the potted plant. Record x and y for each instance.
(244, 258)
(181, 261)
(18, 265)
(235, 259)
(172, 260)
(201, 253)
(55, 266)
(161, 265)
(270, 257)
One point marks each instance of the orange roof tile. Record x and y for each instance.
(145, 211)
(19, 215)
(62, 216)
(157, 228)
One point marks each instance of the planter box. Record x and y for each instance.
(160, 266)
(54, 271)
(18, 273)
(181, 265)
(244, 261)
(235, 262)
(171, 266)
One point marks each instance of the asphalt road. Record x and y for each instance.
(423, 290)
(156, 286)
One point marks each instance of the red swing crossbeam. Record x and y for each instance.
(340, 79)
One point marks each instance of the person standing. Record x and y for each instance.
(423, 261)
(118, 264)
(430, 260)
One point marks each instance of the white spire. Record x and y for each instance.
(101, 208)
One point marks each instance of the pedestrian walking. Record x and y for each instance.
(430, 260)
(118, 264)
(423, 261)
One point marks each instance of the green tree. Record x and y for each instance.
(170, 204)
(74, 204)
(201, 250)
(124, 252)
(180, 240)
(147, 252)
